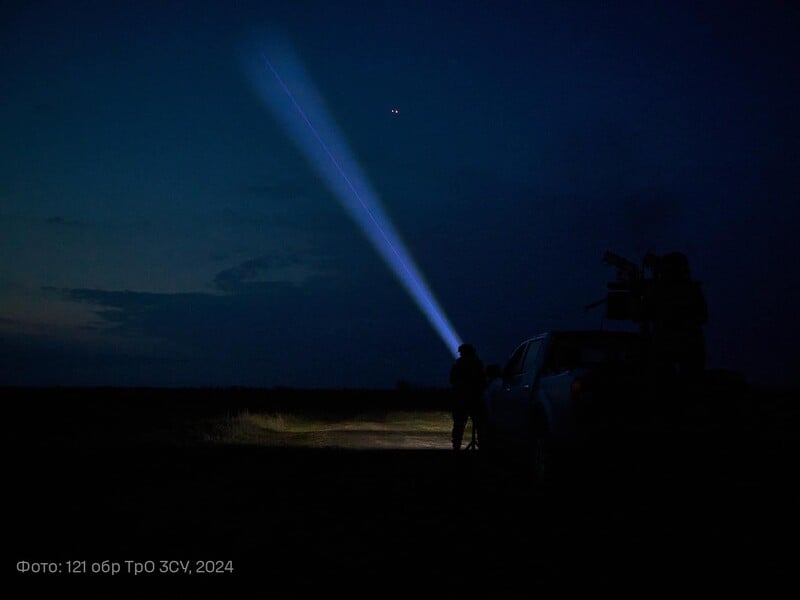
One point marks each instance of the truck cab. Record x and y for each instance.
(558, 385)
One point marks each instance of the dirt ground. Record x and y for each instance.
(715, 511)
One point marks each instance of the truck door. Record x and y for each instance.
(518, 388)
(501, 411)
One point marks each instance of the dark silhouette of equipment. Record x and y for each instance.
(636, 292)
(668, 305)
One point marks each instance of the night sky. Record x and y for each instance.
(157, 226)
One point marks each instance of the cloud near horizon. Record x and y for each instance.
(264, 332)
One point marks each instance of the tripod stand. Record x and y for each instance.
(473, 445)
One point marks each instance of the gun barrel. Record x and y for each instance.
(621, 263)
(595, 304)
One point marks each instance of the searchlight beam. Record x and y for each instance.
(326, 150)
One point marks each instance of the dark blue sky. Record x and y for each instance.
(158, 228)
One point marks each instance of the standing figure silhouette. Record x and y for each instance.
(468, 378)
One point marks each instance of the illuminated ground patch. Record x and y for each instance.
(392, 430)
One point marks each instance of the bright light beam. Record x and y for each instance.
(353, 191)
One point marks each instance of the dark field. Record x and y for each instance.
(312, 493)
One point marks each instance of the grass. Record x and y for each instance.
(375, 429)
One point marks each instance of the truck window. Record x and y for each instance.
(531, 356)
(514, 364)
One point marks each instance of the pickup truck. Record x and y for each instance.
(561, 389)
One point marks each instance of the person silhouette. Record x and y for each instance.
(468, 379)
